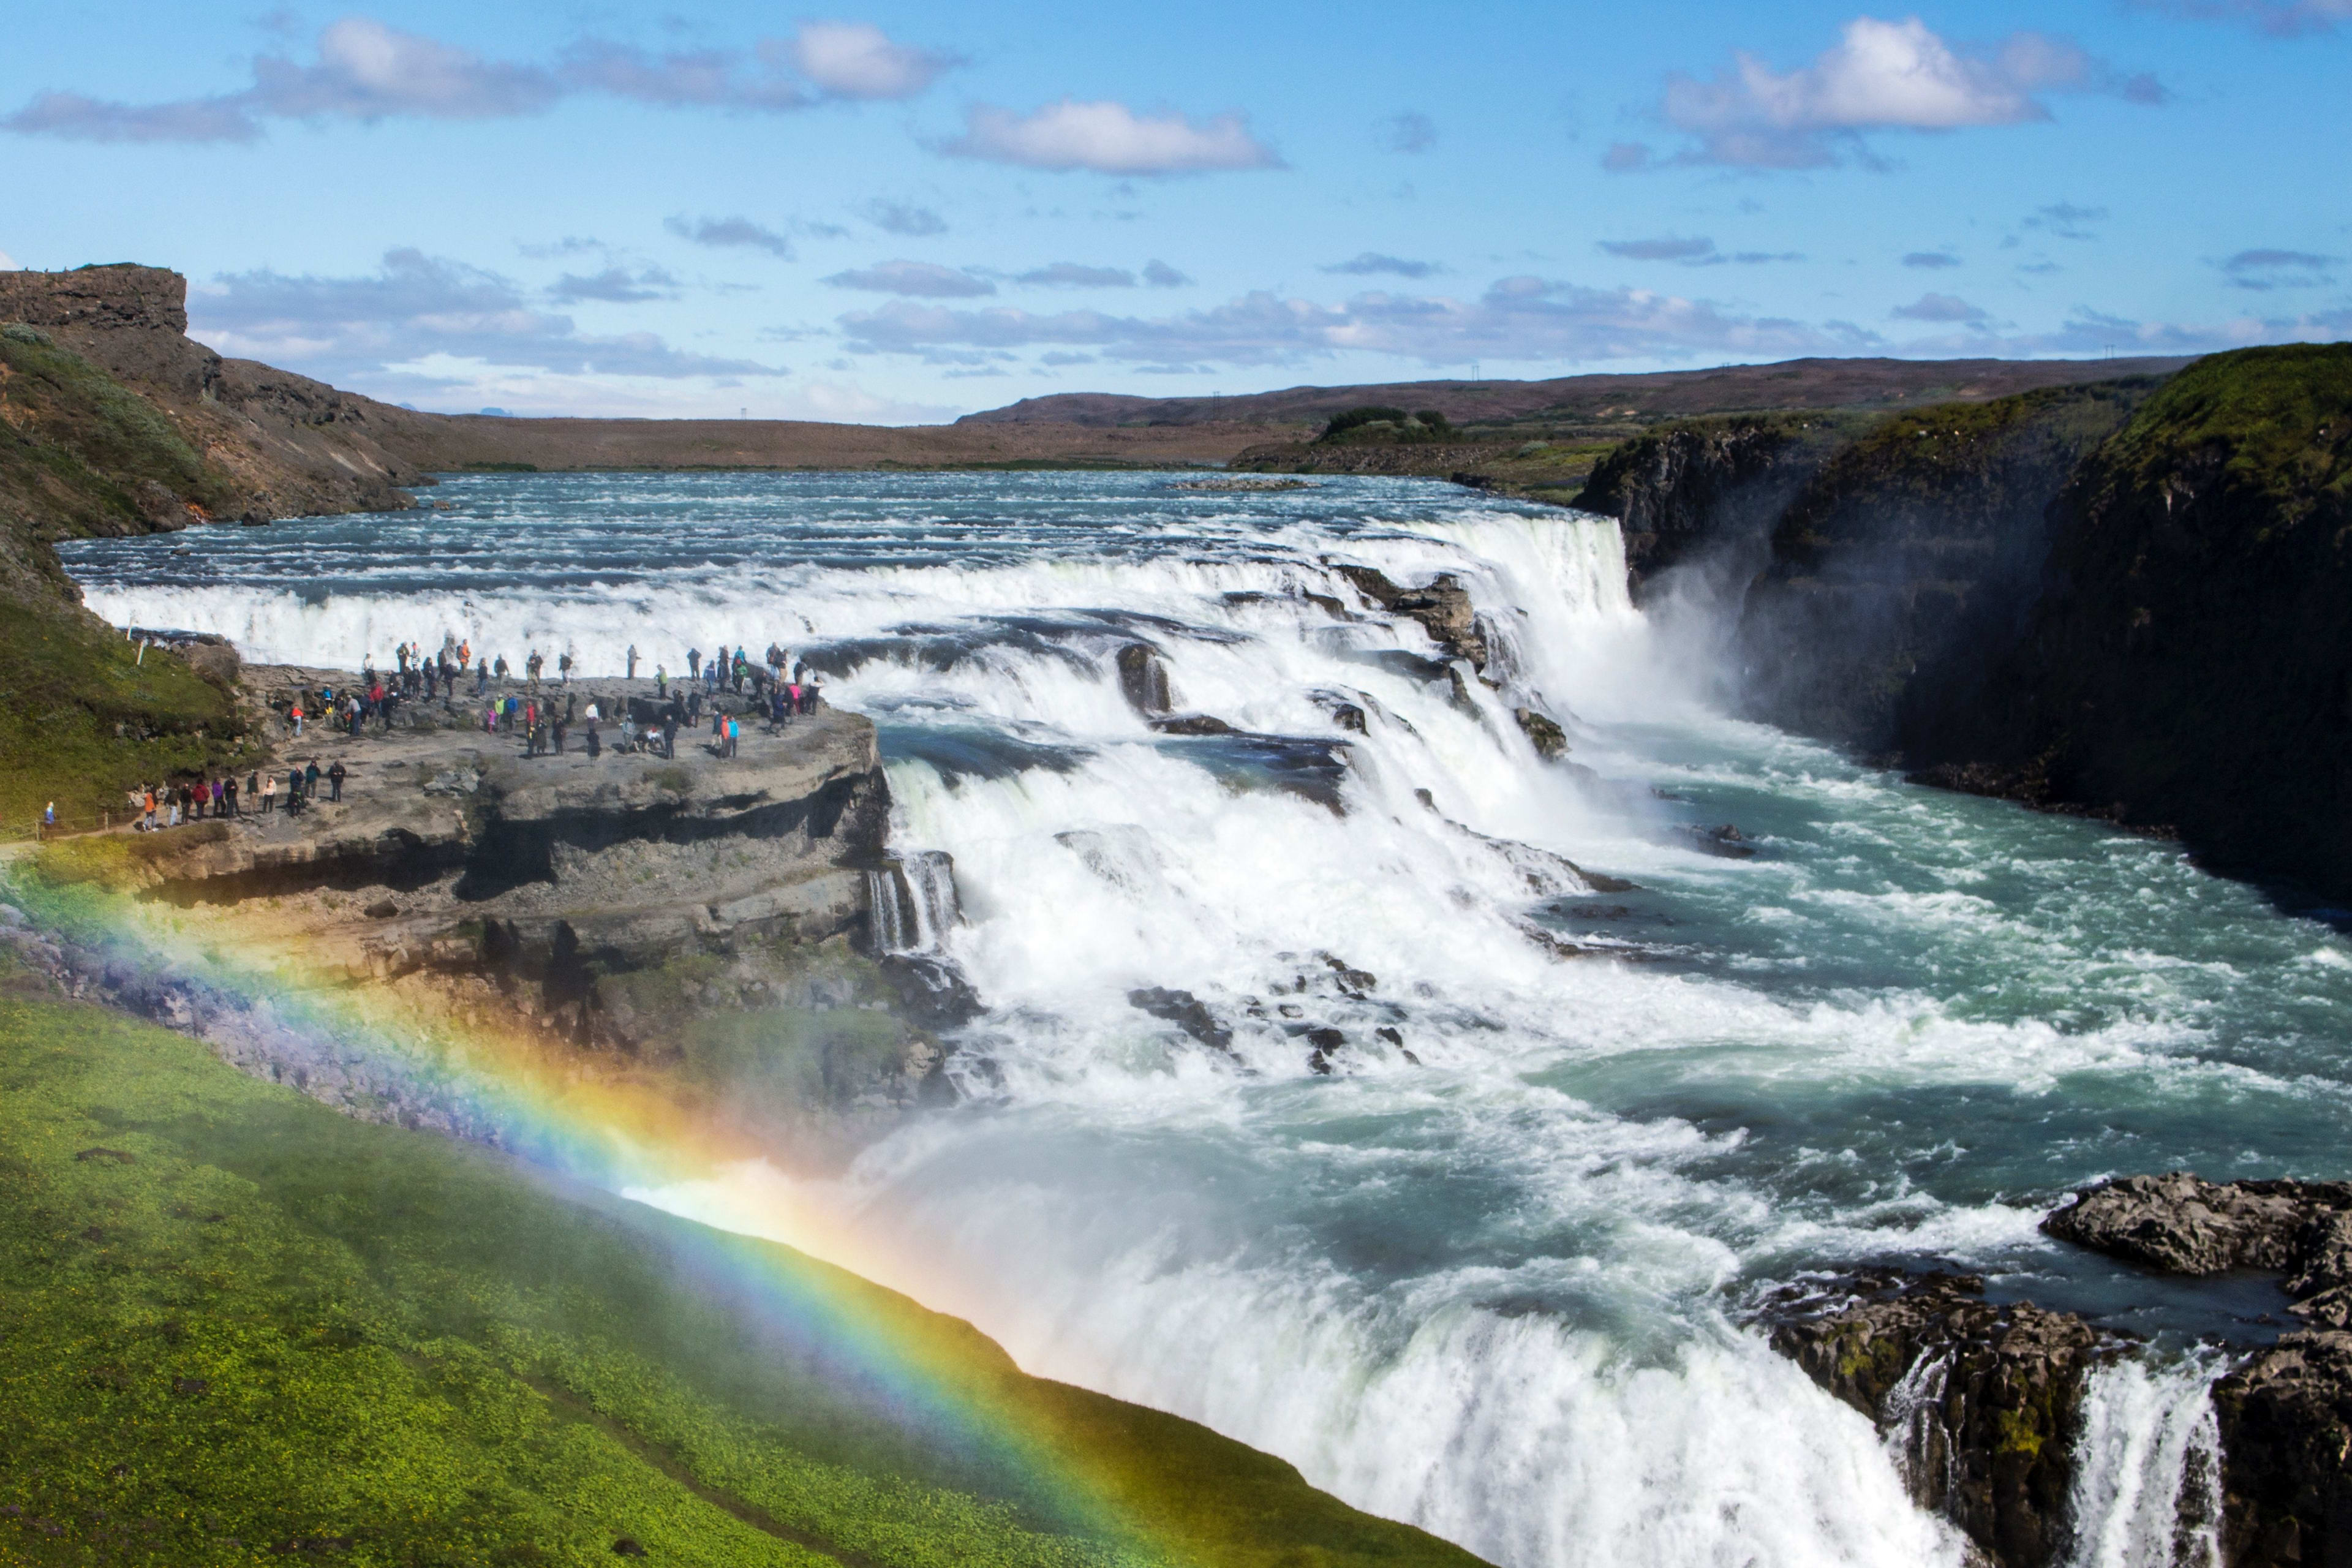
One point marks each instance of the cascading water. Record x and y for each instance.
(1321, 1093)
(2147, 1467)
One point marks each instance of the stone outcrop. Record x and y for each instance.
(1441, 606)
(713, 918)
(1701, 491)
(2285, 1411)
(1980, 1399)
(2181, 1223)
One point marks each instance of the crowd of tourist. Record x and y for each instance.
(773, 686)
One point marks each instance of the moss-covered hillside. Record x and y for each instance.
(81, 454)
(238, 1327)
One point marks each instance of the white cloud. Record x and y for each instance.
(923, 280)
(1666, 248)
(1109, 138)
(1370, 263)
(1158, 274)
(2283, 17)
(1517, 319)
(414, 308)
(1940, 308)
(365, 70)
(1407, 131)
(732, 231)
(1879, 76)
(856, 59)
(1076, 274)
(902, 218)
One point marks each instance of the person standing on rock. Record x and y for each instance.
(270, 795)
(734, 736)
(632, 661)
(228, 793)
(335, 776)
(531, 666)
(311, 780)
(560, 726)
(563, 668)
(693, 665)
(595, 747)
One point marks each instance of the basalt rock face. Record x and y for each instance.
(1706, 488)
(1982, 1400)
(2287, 1431)
(1907, 565)
(2182, 1224)
(2188, 661)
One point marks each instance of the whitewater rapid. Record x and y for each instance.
(1462, 1213)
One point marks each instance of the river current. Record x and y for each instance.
(1480, 1259)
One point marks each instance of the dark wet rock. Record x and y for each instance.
(1549, 739)
(1725, 842)
(2284, 1414)
(2286, 1427)
(2182, 1224)
(382, 909)
(1442, 607)
(1354, 982)
(1981, 1399)
(1327, 1042)
(1143, 679)
(1345, 708)
(1191, 724)
(1186, 1010)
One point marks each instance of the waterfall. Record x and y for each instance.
(1283, 1108)
(2147, 1467)
(914, 903)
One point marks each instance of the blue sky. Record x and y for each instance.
(904, 212)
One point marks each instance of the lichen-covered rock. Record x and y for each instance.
(1982, 1398)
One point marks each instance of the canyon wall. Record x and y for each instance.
(2125, 598)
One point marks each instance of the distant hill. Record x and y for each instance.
(1741, 388)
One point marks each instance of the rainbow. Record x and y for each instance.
(933, 1377)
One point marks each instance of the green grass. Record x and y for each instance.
(233, 1322)
(75, 445)
(83, 718)
(2275, 422)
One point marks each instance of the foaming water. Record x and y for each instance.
(1456, 1209)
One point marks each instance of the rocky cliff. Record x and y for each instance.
(1707, 492)
(1903, 565)
(710, 919)
(216, 438)
(2188, 660)
(2125, 598)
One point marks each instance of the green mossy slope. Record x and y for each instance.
(237, 1325)
(80, 454)
(83, 718)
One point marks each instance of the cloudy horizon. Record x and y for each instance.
(909, 213)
